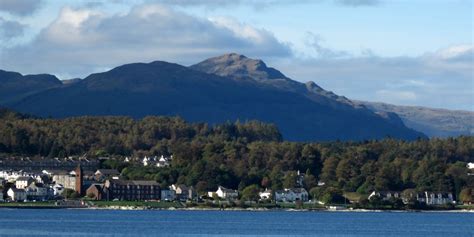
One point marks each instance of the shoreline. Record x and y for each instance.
(139, 208)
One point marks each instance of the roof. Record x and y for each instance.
(98, 186)
(16, 190)
(57, 172)
(294, 190)
(108, 171)
(24, 178)
(34, 184)
(134, 182)
(227, 190)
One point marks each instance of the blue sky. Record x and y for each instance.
(417, 52)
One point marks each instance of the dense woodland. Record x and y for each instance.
(245, 154)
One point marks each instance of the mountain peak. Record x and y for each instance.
(238, 66)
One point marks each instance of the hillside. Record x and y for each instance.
(301, 112)
(432, 122)
(14, 86)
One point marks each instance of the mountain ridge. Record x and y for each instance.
(303, 112)
(434, 122)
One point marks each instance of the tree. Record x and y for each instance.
(466, 195)
(70, 193)
(309, 180)
(250, 193)
(290, 179)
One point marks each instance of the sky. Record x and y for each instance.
(404, 52)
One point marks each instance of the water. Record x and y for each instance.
(63, 222)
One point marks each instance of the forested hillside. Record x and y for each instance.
(237, 155)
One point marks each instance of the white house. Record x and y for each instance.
(164, 161)
(470, 165)
(37, 191)
(225, 193)
(265, 195)
(146, 161)
(58, 189)
(168, 195)
(16, 194)
(385, 195)
(438, 198)
(183, 192)
(291, 195)
(23, 182)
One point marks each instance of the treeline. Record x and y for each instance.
(239, 155)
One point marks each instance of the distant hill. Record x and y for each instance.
(432, 122)
(237, 89)
(14, 86)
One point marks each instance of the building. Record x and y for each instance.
(437, 198)
(58, 189)
(164, 161)
(131, 190)
(23, 182)
(96, 191)
(183, 192)
(291, 195)
(385, 195)
(70, 180)
(224, 193)
(168, 195)
(65, 179)
(16, 195)
(266, 195)
(103, 174)
(38, 192)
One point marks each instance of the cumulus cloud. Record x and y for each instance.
(442, 78)
(315, 42)
(80, 41)
(10, 29)
(20, 7)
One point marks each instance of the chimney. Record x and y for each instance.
(79, 177)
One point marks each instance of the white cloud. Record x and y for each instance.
(444, 78)
(81, 41)
(315, 42)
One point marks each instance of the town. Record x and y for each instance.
(76, 180)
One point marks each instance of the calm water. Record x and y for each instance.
(228, 223)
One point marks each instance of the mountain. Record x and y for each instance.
(303, 112)
(14, 86)
(432, 122)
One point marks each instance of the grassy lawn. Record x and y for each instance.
(137, 204)
(465, 207)
(27, 204)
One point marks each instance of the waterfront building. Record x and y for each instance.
(183, 192)
(168, 195)
(266, 195)
(131, 190)
(224, 193)
(23, 182)
(291, 195)
(96, 191)
(385, 195)
(16, 195)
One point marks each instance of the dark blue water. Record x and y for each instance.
(231, 223)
